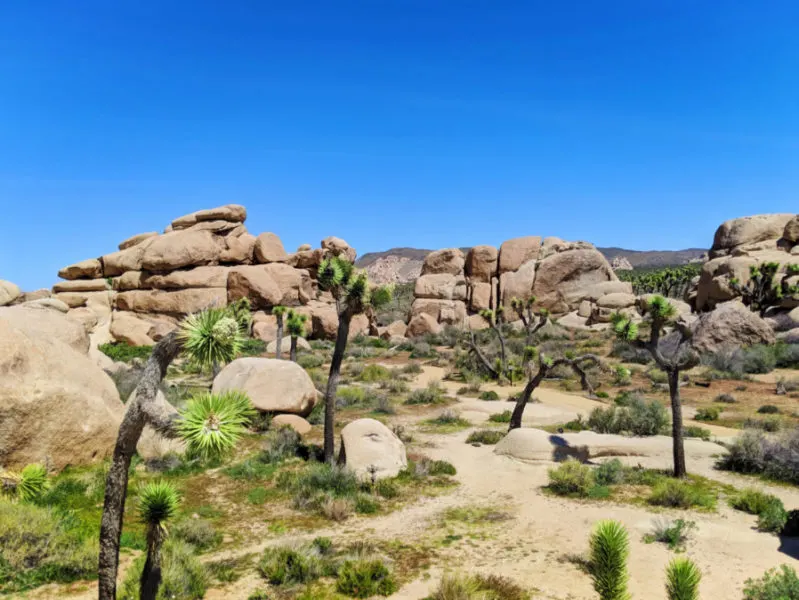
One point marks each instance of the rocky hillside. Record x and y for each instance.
(400, 265)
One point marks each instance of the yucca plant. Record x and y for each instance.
(158, 503)
(279, 312)
(671, 358)
(295, 327)
(211, 424)
(610, 549)
(207, 339)
(241, 311)
(32, 482)
(682, 579)
(353, 295)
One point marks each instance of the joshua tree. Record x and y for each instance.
(158, 503)
(672, 354)
(609, 548)
(241, 311)
(532, 321)
(578, 364)
(682, 579)
(499, 369)
(207, 338)
(762, 290)
(295, 326)
(279, 311)
(353, 295)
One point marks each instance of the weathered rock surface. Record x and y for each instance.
(422, 324)
(730, 324)
(41, 322)
(234, 213)
(82, 285)
(449, 261)
(273, 385)
(791, 231)
(481, 264)
(441, 286)
(136, 239)
(515, 252)
(338, 247)
(269, 249)
(87, 269)
(302, 344)
(748, 230)
(255, 284)
(296, 422)
(394, 330)
(561, 278)
(179, 249)
(371, 450)
(179, 302)
(8, 292)
(56, 405)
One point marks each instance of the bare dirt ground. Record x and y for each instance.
(536, 543)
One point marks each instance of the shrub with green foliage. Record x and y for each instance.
(610, 473)
(677, 493)
(674, 534)
(200, 533)
(432, 394)
(489, 395)
(609, 550)
(283, 565)
(365, 578)
(310, 361)
(485, 436)
(694, 431)
(768, 409)
(183, 575)
(638, 417)
(776, 584)
(478, 587)
(725, 398)
(124, 352)
(374, 374)
(503, 417)
(572, 478)
(708, 414)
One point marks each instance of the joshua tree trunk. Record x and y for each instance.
(521, 402)
(293, 349)
(344, 319)
(151, 575)
(279, 340)
(680, 469)
(144, 409)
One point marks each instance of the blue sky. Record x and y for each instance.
(426, 123)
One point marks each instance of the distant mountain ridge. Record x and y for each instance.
(400, 265)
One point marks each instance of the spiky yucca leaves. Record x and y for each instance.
(682, 579)
(211, 424)
(623, 327)
(661, 309)
(158, 503)
(211, 337)
(610, 548)
(32, 482)
(295, 324)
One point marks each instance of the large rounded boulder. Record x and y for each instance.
(278, 386)
(56, 405)
(730, 324)
(42, 321)
(371, 450)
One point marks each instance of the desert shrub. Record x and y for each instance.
(609, 473)
(489, 395)
(280, 444)
(789, 385)
(727, 361)
(259, 595)
(384, 406)
(253, 347)
(441, 467)
(394, 386)
(627, 353)
(752, 501)
(365, 578)
(386, 488)
(317, 416)
(183, 575)
(639, 417)
(609, 550)
(621, 375)
(412, 369)
(776, 584)
(449, 417)
(432, 394)
(503, 417)
(329, 490)
(768, 409)
(572, 478)
(419, 349)
(759, 359)
(626, 398)
(374, 374)
(603, 420)
(38, 545)
(124, 352)
(335, 509)
(674, 534)
(577, 424)
(676, 493)
(366, 505)
(708, 414)
(478, 587)
(282, 565)
(656, 376)
(485, 436)
(725, 399)
(786, 355)
(770, 424)
(200, 533)
(773, 518)
(694, 431)
(310, 361)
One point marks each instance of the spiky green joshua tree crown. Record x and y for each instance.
(212, 424)
(211, 337)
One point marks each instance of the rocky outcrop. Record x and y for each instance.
(730, 324)
(275, 386)
(746, 232)
(453, 288)
(8, 292)
(203, 259)
(371, 450)
(42, 322)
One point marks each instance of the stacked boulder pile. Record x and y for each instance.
(201, 260)
(740, 244)
(570, 279)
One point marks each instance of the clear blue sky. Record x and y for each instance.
(426, 123)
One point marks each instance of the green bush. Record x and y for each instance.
(674, 534)
(675, 493)
(485, 436)
(752, 501)
(708, 414)
(200, 533)
(776, 584)
(365, 578)
(503, 417)
(489, 395)
(478, 587)
(366, 505)
(572, 478)
(432, 394)
(725, 398)
(374, 374)
(183, 575)
(310, 361)
(253, 347)
(768, 409)
(124, 352)
(280, 444)
(638, 417)
(694, 431)
(773, 518)
(441, 467)
(759, 359)
(282, 565)
(609, 473)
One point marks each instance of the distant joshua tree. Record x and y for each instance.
(763, 290)
(295, 326)
(279, 311)
(353, 295)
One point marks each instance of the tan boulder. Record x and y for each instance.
(477, 323)
(264, 326)
(304, 248)
(56, 406)
(395, 329)
(29, 296)
(448, 260)
(230, 212)
(714, 280)
(179, 302)
(85, 316)
(272, 385)
(137, 239)
(49, 303)
(323, 319)
(481, 264)
(338, 247)
(296, 422)
(442, 286)
(42, 322)
(450, 312)
(371, 450)
(130, 259)
(219, 227)
(595, 291)
(302, 344)
(198, 277)
(269, 249)
(748, 230)
(131, 328)
(730, 324)
(8, 292)
(561, 279)
(82, 285)
(306, 259)
(481, 296)
(78, 299)
(87, 269)
(517, 284)
(616, 300)
(359, 325)
(791, 231)
(585, 309)
(296, 285)
(515, 252)
(422, 324)
(238, 249)
(180, 249)
(130, 280)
